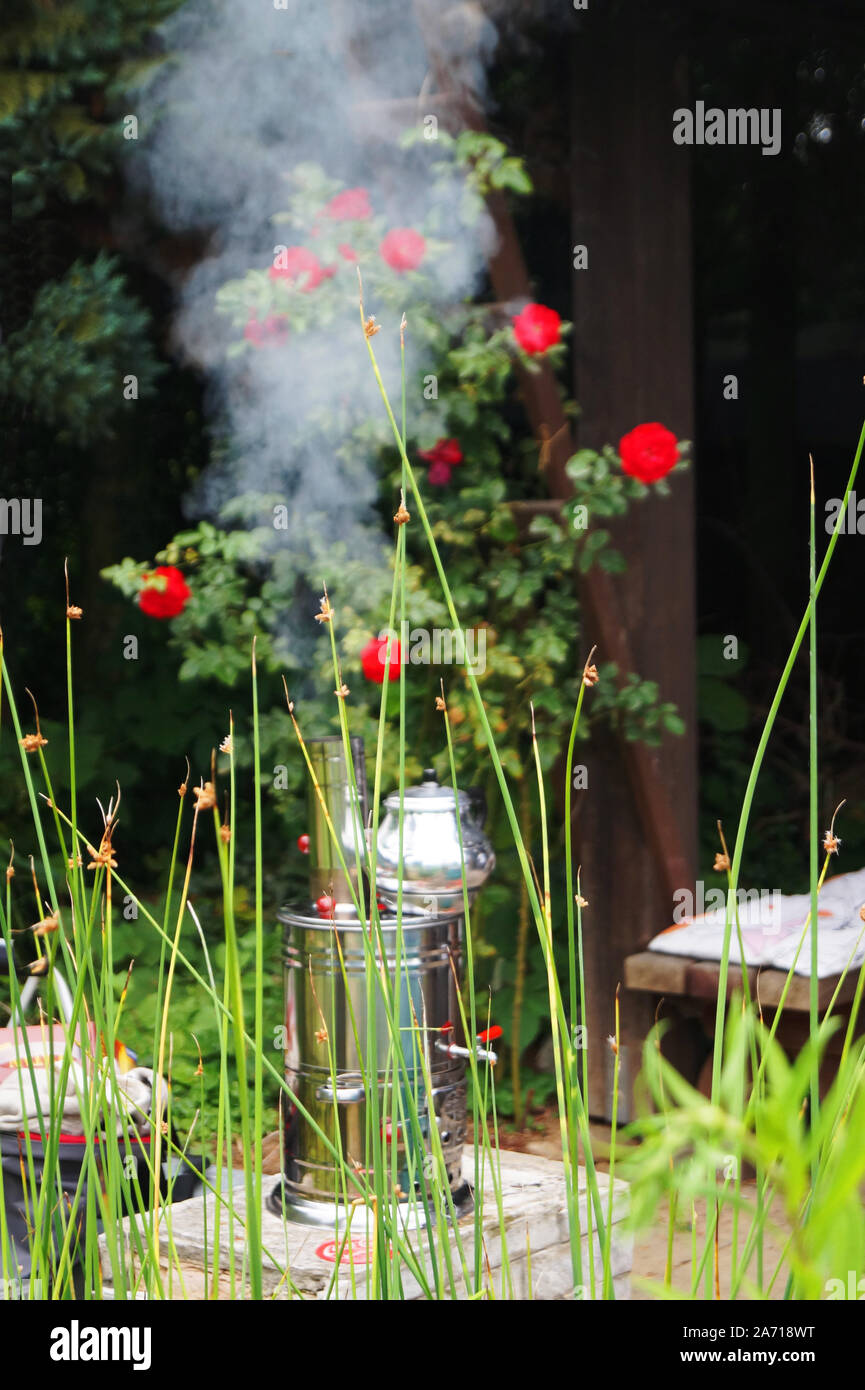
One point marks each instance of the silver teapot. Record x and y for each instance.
(432, 864)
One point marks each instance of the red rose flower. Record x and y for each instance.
(537, 328)
(403, 249)
(275, 328)
(443, 451)
(372, 660)
(164, 601)
(267, 332)
(439, 474)
(347, 252)
(352, 205)
(296, 263)
(444, 455)
(649, 452)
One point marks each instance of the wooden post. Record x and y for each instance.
(638, 840)
(633, 363)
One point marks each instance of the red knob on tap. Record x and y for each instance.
(487, 1035)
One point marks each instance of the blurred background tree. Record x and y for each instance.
(84, 315)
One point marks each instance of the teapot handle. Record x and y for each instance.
(477, 806)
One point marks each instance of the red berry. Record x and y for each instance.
(324, 906)
(303, 844)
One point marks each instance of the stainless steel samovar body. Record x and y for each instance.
(336, 1017)
(330, 1016)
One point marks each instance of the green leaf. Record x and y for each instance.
(721, 706)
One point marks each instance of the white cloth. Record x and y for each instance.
(132, 1099)
(773, 927)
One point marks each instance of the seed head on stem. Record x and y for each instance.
(831, 842)
(205, 796)
(103, 857)
(327, 613)
(72, 609)
(31, 743)
(48, 925)
(402, 515)
(590, 672)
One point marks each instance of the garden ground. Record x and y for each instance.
(650, 1247)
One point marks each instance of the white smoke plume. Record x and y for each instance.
(251, 91)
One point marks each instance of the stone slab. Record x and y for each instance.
(526, 1246)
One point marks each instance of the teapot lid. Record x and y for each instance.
(429, 795)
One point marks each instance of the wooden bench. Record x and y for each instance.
(689, 989)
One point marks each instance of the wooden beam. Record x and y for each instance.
(540, 390)
(633, 354)
(638, 838)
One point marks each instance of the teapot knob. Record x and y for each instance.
(429, 775)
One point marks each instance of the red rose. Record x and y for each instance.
(537, 328)
(347, 252)
(254, 331)
(275, 328)
(272, 330)
(439, 474)
(649, 452)
(352, 205)
(403, 249)
(297, 263)
(164, 601)
(372, 659)
(443, 451)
